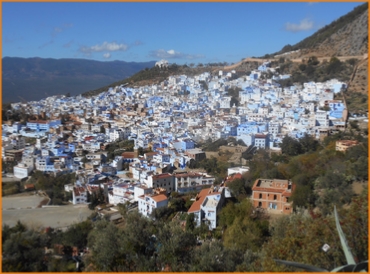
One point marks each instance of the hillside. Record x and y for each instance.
(154, 75)
(346, 36)
(346, 39)
(36, 78)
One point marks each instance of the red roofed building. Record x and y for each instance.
(273, 195)
(233, 177)
(206, 206)
(148, 202)
(164, 180)
(79, 195)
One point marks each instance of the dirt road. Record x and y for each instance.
(25, 208)
(295, 60)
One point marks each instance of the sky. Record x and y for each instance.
(180, 32)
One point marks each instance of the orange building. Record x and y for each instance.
(273, 195)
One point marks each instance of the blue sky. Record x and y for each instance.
(192, 32)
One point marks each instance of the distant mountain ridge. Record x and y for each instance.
(36, 78)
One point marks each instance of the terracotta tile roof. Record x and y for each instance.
(233, 177)
(159, 198)
(128, 155)
(199, 200)
(160, 176)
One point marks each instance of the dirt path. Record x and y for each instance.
(295, 60)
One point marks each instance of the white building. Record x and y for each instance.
(79, 195)
(121, 194)
(116, 134)
(261, 141)
(225, 102)
(321, 118)
(234, 170)
(206, 206)
(162, 63)
(147, 203)
(22, 171)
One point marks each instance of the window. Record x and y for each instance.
(260, 196)
(275, 197)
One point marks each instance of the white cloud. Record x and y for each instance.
(104, 47)
(305, 24)
(106, 55)
(172, 54)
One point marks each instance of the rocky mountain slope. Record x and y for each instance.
(350, 40)
(346, 36)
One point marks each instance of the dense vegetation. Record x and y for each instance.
(311, 69)
(53, 185)
(140, 244)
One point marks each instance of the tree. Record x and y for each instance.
(76, 235)
(290, 146)
(308, 143)
(238, 188)
(214, 257)
(176, 247)
(302, 196)
(105, 244)
(300, 238)
(190, 223)
(24, 252)
(244, 224)
(302, 67)
(313, 61)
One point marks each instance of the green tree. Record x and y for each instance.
(238, 188)
(244, 224)
(190, 223)
(106, 247)
(290, 146)
(76, 235)
(24, 252)
(214, 257)
(308, 143)
(176, 247)
(300, 238)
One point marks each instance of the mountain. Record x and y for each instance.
(346, 36)
(36, 78)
